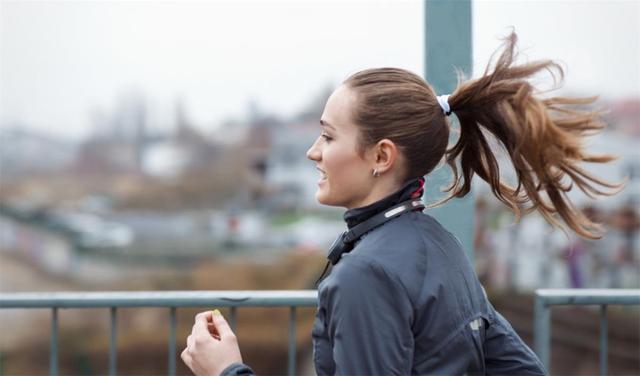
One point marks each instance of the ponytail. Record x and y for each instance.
(543, 139)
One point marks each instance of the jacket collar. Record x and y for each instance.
(413, 188)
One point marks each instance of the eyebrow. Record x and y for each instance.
(324, 123)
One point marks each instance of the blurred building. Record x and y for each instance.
(24, 152)
(288, 170)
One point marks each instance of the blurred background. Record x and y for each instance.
(161, 146)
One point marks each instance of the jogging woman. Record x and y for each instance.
(402, 297)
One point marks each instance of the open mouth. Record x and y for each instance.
(323, 175)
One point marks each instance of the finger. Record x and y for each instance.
(212, 329)
(206, 316)
(221, 325)
(201, 327)
(190, 343)
(194, 330)
(186, 357)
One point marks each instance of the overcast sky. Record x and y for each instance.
(62, 61)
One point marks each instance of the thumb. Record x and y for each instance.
(221, 325)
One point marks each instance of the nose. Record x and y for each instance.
(314, 152)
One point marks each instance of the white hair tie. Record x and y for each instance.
(443, 101)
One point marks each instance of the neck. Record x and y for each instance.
(411, 189)
(380, 190)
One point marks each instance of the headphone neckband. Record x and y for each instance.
(344, 243)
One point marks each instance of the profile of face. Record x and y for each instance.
(345, 177)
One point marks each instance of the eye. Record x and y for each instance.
(326, 137)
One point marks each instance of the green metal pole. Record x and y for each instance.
(448, 45)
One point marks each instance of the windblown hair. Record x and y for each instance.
(543, 139)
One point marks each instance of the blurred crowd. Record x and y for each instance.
(532, 254)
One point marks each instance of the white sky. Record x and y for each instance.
(59, 61)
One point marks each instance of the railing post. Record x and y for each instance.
(604, 351)
(172, 341)
(541, 334)
(113, 338)
(292, 341)
(53, 347)
(234, 317)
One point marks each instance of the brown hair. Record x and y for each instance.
(542, 139)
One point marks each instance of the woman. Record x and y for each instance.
(403, 298)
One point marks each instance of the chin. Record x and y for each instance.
(322, 199)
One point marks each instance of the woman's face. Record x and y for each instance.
(345, 177)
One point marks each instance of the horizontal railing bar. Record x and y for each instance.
(236, 298)
(589, 296)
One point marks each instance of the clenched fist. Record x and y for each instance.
(212, 345)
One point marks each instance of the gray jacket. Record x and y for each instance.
(406, 300)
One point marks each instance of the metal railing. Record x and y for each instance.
(165, 299)
(545, 298)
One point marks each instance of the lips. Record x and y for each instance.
(323, 175)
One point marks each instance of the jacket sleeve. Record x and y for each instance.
(368, 318)
(505, 352)
(237, 369)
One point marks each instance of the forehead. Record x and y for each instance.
(339, 107)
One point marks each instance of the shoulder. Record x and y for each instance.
(413, 236)
(401, 236)
(401, 246)
(411, 248)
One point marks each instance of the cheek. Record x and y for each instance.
(344, 169)
(339, 160)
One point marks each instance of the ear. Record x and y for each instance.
(385, 154)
